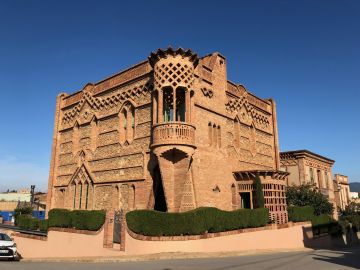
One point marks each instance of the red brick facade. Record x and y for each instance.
(172, 134)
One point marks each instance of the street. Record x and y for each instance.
(319, 259)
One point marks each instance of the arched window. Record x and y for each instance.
(86, 196)
(123, 125)
(180, 104)
(127, 123)
(236, 133)
(215, 137)
(233, 196)
(210, 133)
(168, 104)
(74, 200)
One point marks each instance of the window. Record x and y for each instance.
(127, 124)
(168, 103)
(311, 176)
(180, 104)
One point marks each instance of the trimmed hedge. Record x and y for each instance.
(322, 224)
(79, 219)
(43, 225)
(194, 222)
(27, 222)
(300, 213)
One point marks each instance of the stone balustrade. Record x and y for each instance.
(176, 133)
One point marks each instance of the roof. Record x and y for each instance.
(302, 153)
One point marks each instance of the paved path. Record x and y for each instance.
(318, 260)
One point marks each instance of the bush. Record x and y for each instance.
(26, 222)
(78, 219)
(300, 213)
(87, 220)
(194, 222)
(259, 194)
(59, 218)
(43, 225)
(22, 211)
(308, 195)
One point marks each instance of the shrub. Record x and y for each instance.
(300, 213)
(307, 195)
(78, 219)
(26, 222)
(59, 218)
(43, 225)
(87, 220)
(194, 222)
(22, 211)
(259, 194)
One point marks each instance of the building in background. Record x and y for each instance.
(342, 191)
(306, 167)
(171, 133)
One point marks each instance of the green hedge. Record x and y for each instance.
(26, 222)
(321, 224)
(300, 213)
(43, 225)
(194, 222)
(78, 219)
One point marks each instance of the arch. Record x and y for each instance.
(215, 137)
(233, 196)
(218, 136)
(210, 133)
(180, 104)
(158, 191)
(168, 104)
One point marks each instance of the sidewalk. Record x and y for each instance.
(164, 256)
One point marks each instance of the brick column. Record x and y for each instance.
(109, 229)
(160, 107)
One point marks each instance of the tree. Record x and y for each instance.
(308, 195)
(259, 194)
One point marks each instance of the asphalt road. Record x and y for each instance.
(318, 260)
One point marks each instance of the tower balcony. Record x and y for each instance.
(173, 133)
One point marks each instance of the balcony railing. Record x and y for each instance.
(176, 133)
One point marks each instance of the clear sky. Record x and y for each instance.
(304, 54)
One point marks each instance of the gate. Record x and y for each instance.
(118, 215)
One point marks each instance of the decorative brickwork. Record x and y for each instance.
(167, 134)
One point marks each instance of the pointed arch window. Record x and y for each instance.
(127, 124)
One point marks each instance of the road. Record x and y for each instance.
(318, 260)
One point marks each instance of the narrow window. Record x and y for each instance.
(311, 176)
(80, 198)
(87, 197)
(219, 136)
(180, 104)
(74, 197)
(210, 133)
(214, 135)
(168, 103)
(236, 134)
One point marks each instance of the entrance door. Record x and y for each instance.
(118, 215)
(160, 202)
(245, 200)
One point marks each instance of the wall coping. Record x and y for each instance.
(30, 236)
(72, 230)
(212, 235)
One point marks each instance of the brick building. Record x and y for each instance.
(171, 133)
(305, 167)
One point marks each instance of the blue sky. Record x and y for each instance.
(304, 54)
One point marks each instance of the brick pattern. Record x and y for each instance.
(120, 153)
